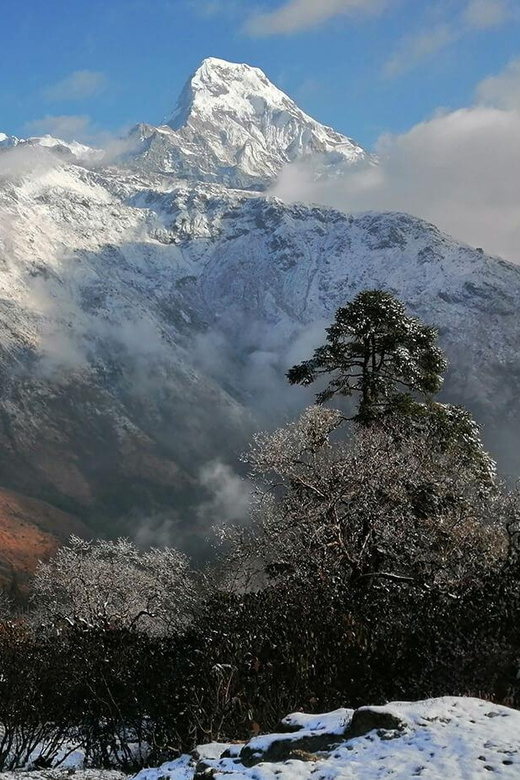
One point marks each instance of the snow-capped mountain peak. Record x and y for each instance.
(231, 125)
(238, 90)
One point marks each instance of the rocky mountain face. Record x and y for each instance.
(232, 126)
(150, 306)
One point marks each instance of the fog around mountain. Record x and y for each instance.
(153, 297)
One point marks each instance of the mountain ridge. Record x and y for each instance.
(72, 149)
(147, 320)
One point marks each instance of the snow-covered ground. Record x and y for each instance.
(438, 739)
(60, 773)
(450, 738)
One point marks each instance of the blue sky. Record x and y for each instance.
(365, 67)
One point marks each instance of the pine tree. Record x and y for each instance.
(375, 349)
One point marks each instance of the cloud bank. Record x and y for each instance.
(459, 170)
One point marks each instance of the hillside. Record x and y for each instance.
(30, 531)
(149, 309)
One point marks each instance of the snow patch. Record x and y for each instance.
(450, 737)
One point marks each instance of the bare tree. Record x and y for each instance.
(108, 584)
(377, 506)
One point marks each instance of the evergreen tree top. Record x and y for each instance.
(376, 349)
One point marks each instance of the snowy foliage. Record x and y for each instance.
(381, 505)
(112, 584)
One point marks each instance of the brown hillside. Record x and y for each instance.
(30, 531)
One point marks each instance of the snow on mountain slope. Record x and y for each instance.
(271, 272)
(72, 149)
(232, 126)
(147, 320)
(7, 140)
(436, 739)
(94, 357)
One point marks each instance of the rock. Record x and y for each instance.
(286, 747)
(365, 720)
(301, 755)
(302, 744)
(204, 771)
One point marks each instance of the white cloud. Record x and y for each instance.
(210, 8)
(80, 85)
(482, 14)
(82, 129)
(66, 127)
(298, 15)
(502, 90)
(414, 49)
(230, 495)
(19, 162)
(440, 32)
(459, 170)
